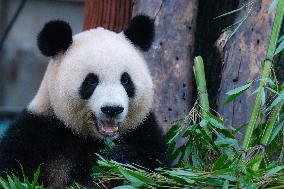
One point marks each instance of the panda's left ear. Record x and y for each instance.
(141, 32)
(55, 37)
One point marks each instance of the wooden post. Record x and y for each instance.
(171, 57)
(110, 14)
(242, 58)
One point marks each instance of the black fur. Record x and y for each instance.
(56, 36)
(127, 84)
(141, 32)
(38, 140)
(88, 86)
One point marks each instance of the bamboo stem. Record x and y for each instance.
(198, 69)
(270, 124)
(266, 71)
(268, 130)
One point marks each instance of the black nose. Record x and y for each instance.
(112, 110)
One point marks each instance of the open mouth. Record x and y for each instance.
(107, 128)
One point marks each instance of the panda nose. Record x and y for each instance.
(112, 110)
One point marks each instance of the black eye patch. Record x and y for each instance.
(88, 86)
(127, 83)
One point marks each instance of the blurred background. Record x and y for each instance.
(21, 64)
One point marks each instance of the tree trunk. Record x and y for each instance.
(109, 14)
(171, 57)
(242, 58)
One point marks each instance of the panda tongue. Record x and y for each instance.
(109, 126)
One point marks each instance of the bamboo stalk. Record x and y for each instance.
(199, 74)
(267, 133)
(270, 124)
(266, 71)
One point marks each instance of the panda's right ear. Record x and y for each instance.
(55, 37)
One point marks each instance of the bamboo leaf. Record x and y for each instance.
(276, 131)
(276, 101)
(3, 183)
(11, 182)
(226, 185)
(136, 178)
(216, 123)
(173, 133)
(280, 39)
(125, 187)
(239, 90)
(279, 48)
(35, 178)
(230, 12)
(234, 93)
(273, 171)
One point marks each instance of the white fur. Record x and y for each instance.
(108, 55)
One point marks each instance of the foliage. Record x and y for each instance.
(13, 182)
(247, 6)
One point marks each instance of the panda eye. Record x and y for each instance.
(127, 84)
(124, 79)
(93, 81)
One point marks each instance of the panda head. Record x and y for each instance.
(97, 82)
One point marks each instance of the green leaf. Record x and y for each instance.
(234, 93)
(216, 123)
(219, 163)
(125, 187)
(173, 133)
(276, 101)
(280, 39)
(227, 177)
(11, 182)
(189, 130)
(35, 178)
(273, 171)
(203, 123)
(17, 182)
(226, 185)
(3, 183)
(135, 178)
(224, 132)
(227, 141)
(279, 48)
(230, 12)
(276, 131)
(239, 90)
(183, 174)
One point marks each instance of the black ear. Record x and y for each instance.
(56, 36)
(141, 32)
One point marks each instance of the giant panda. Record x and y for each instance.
(97, 86)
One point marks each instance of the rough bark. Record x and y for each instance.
(109, 14)
(242, 58)
(171, 57)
